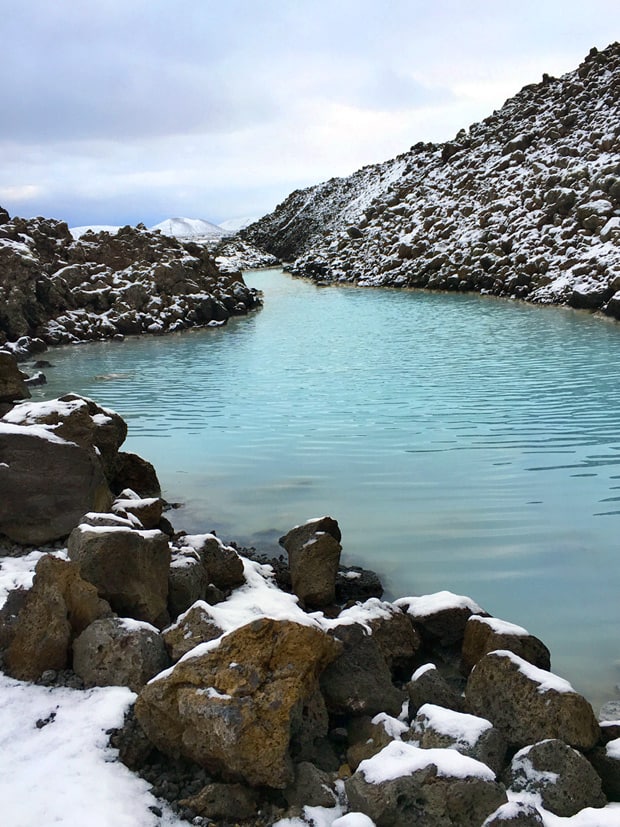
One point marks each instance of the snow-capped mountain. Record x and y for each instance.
(524, 204)
(233, 225)
(189, 228)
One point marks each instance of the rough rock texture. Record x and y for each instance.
(12, 384)
(606, 761)
(524, 204)
(104, 285)
(187, 582)
(223, 565)
(564, 779)
(428, 685)
(76, 419)
(194, 627)
(440, 617)
(515, 814)
(366, 738)
(129, 568)
(314, 555)
(32, 510)
(437, 728)
(117, 652)
(148, 510)
(428, 793)
(59, 606)
(223, 801)
(241, 699)
(311, 787)
(359, 681)
(528, 704)
(131, 471)
(483, 635)
(397, 640)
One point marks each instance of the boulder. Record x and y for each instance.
(238, 699)
(187, 582)
(9, 613)
(359, 681)
(192, 628)
(565, 781)
(311, 787)
(368, 736)
(515, 814)
(404, 785)
(231, 802)
(58, 607)
(606, 761)
(12, 384)
(396, 638)
(31, 510)
(486, 634)
(76, 419)
(223, 565)
(148, 510)
(128, 567)
(132, 471)
(314, 556)
(428, 685)
(437, 728)
(117, 651)
(440, 617)
(528, 704)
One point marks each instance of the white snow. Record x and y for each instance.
(612, 749)
(18, 572)
(33, 430)
(392, 726)
(430, 604)
(189, 228)
(500, 627)
(465, 729)
(353, 820)
(233, 225)
(426, 667)
(63, 772)
(399, 758)
(546, 681)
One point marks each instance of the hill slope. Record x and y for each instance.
(524, 204)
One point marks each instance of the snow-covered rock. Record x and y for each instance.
(524, 204)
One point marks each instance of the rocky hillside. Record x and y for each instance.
(524, 204)
(57, 290)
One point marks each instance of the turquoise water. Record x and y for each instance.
(463, 443)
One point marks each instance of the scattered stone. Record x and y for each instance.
(565, 781)
(486, 634)
(427, 685)
(193, 627)
(58, 607)
(314, 556)
(437, 728)
(238, 700)
(119, 652)
(406, 785)
(129, 568)
(528, 704)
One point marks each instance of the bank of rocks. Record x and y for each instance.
(57, 290)
(525, 204)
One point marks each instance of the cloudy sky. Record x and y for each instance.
(120, 111)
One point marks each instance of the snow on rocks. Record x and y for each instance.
(524, 204)
(55, 289)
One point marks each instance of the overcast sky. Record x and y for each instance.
(120, 111)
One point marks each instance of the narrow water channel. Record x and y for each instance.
(463, 443)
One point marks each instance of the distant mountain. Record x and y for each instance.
(525, 204)
(233, 225)
(189, 228)
(78, 232)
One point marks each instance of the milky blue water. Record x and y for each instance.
(462, 442)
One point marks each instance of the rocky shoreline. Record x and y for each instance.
(268, 690)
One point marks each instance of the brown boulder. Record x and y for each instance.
(187, 582)
(486, 634)
(314, 556)
(528, 704)
(194, 627)
(233, 708)
(132, 471)
(128, 567)
(59, 607)
(32, 510)
(77, 419)
(223, 565)
(12, 385)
